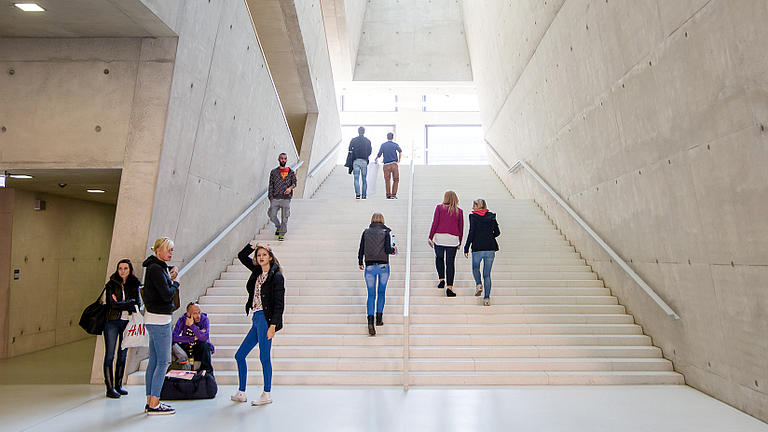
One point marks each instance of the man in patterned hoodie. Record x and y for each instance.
(282, 182)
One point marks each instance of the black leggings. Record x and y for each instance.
(445, 256)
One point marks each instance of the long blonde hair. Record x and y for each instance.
(452, 201)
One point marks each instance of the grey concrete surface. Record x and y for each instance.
(343, 21)
(74, 104)
(323, 128)
(6, 234)
(649, 119)
(82, 18)
(418, 40)
(223, 132)
(61, 253)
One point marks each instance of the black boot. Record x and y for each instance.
(119, 372)
(371, 327)
(379, 319)
(108, 377)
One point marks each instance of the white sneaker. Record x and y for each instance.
(239, 397)
(478, 290)
(264, 399)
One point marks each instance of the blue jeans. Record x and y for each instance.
(360, 168)
(380, 271)
(113, 338)
(159, 357)
(256, 335)
(488, 257)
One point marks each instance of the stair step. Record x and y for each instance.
(551, 322)
(545, 378)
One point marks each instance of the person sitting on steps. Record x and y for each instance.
(191, 339)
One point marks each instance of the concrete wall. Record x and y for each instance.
(95, 103)
(323, 130)
(416, 40)
(648, 118)
(89, 103)
(354, 13)
(343, 27)
(61, 253)
(224, 130)
(6, 234)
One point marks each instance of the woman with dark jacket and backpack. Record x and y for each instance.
(483, 230)
(375, 247)
(266, 299)
(160, 286)
(122, 295)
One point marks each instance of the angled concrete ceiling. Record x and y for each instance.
(74, 181)
(82, 18)
(414, 40)
(277, 29)
(343, 20)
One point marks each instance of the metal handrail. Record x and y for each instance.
(324, 160)
(623, 264)
(226, 230)
(407, 291)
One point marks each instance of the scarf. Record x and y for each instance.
(480, 212)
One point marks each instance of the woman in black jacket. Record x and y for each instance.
(483, 230)
(122, 295)
(376, 247)
(160, 286)
(266, 298)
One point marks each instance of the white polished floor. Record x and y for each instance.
(310, 409)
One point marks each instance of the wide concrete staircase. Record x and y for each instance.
(551, 320)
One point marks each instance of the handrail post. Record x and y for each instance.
(619, 260)
(407, 291)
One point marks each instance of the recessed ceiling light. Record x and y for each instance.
(20, 176)
(94, 190)
(29, 7)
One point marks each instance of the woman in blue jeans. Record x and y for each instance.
(266, 301)
(483, 230)
(122, 295)
(375, 248)
(159, 288)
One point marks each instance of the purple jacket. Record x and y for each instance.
(447, 223)
(200, 330)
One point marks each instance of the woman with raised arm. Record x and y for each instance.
(266, 301)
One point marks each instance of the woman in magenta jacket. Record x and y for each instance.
(445, 236)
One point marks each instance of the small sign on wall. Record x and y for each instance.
(16, 274)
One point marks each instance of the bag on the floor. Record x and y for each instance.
(373, 175)
(135, 334)
(201, 386)
(94, 316)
